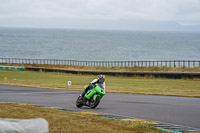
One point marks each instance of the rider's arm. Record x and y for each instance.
(104, 85)
(94, 81)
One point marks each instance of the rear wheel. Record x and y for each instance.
(79, 102)
(94, 103)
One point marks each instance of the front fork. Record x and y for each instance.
(95, 96)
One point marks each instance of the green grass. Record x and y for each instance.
(72, 122)
(118, 84)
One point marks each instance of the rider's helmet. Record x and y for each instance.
(101, 79)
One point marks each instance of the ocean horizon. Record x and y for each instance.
(98, 45)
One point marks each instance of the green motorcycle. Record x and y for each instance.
(92, 97)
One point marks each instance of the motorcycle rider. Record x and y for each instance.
(100, 80)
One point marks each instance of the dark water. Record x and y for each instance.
(98, 45)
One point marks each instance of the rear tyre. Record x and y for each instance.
(94, 103)
(79, 102)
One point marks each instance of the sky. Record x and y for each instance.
(102, 14)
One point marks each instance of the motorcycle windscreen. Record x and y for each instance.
(99, 90)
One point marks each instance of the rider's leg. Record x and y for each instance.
(85, 91)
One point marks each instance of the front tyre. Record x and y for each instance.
(79, 102)
(94, 103)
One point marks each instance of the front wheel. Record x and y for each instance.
(94, 103)
(79, 102)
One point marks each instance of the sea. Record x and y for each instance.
(99, 45)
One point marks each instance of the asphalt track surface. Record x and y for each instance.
(174, 110)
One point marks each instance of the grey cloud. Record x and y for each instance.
(183, 12)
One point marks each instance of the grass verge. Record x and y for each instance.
(131, 85)
(68, 122)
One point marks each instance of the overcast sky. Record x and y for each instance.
(102, 14)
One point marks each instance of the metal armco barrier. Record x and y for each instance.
(142, 74)
(11, 68)
(171, 63)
